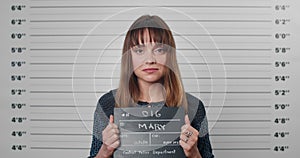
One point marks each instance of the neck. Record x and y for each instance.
(151, 92)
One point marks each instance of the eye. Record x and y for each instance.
(159, 50)
(138, 51)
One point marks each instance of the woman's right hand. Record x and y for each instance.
(111, 139)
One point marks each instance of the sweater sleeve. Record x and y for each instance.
(200, 123)
(103, 110)
(204, 145)
(95, 147)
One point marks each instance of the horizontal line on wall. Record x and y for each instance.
(209, 78)
(122, 20)
(80, 120)
(58, 148)
(238, 149)
(119, 49)
(62, 134)
(62, 106)
(218, 92)
(238, 35)
(58, 120)
(237, 106)
(243, 135)
(191, 63)
(239, 120)
(171, 6)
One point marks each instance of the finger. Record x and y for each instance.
(111, 136)
(111, 119)
(187, 120)
(184, 138)
(188, 138)
(107, 129)
(193, 131)
(184, 127)
(191, 134)
(110, 130)
(113, 126)
(112, 139)
(111, 122)
(114, 145)
(115, 131)
(185, 146)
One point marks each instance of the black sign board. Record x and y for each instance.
(149, 132)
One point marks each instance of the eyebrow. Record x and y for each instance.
(157, 45)
(139, 46)
(143, 45)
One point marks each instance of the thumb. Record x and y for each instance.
(187, 120)
(111, 119)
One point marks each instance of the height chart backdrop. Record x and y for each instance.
(240, 57)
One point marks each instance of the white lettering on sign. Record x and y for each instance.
(151, 113)
(150, 126)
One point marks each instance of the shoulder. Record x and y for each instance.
(107, 98)
(106, 102)
(194, 103)
(192, 99)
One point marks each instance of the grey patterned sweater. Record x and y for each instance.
(196, 112)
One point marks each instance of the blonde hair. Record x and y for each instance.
(128, 92)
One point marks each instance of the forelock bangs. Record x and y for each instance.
(156, 35)
(135, 37)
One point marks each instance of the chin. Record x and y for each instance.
(152, 79)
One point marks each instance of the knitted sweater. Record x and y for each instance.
(196, 112)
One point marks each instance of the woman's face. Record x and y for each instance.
(149, 60)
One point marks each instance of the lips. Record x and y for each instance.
(150, 70)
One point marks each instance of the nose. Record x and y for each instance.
(150, 59)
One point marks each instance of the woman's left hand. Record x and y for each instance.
(189, 139)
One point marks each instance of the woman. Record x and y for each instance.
(150, 76)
